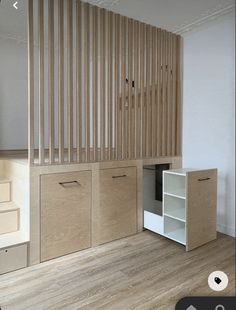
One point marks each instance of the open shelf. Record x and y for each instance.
(175, 230)
(177, 235)
(174, 185)
(179, 194)
(174, 207)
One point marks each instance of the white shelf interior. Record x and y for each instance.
(174, 207)
(174, 184)
(175, 230)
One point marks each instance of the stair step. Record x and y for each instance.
(9, 217)
(5, 190)
(8, 206)
(4, 180)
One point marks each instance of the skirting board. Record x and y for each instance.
(227, 230)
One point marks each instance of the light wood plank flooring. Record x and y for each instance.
(145, 271)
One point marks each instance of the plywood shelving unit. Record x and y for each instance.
(188, 213)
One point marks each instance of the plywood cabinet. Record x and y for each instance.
(65, 213)
(116, 214)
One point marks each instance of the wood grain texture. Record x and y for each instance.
(116, 214)
(65, 213)
(201, 207)
(125, 274)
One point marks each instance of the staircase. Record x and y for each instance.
(9, 211)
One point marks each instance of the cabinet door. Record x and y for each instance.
(13, 258)
(201, 207)
(116, 216)
(65, 213)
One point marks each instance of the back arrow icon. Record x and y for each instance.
(15, 5)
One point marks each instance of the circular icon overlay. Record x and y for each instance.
(218, 281)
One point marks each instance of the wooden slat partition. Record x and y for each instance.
(125, 86)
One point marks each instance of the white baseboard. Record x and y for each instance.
(226, 230)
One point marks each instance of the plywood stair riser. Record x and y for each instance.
(5, 190)
(9, 217)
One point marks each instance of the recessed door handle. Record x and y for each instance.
(64, 184)
(205, 179)
(119, 176)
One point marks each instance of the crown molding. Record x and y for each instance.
(205, 18)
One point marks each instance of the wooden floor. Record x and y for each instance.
(145, 271)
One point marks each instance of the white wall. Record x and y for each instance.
(209, 109)
(13, 94)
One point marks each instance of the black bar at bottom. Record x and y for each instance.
(207, 303)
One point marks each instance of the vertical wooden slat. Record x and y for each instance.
(107, 81)
(70, 80)
(120, 33)
(130, 93)
(110, 83)
(41, 81)
(158, 91)
(51, 90)
(163, 141)
(87, 81)
(168, 97)
(78, 83)
(116, 85)
(95, 83)
(123, 83)
(174, 78)
(30, 83)
(179, 108)
(102, 84)
(142, 95)
(61, 81)
(136, 86)
(148, 88)
(153, 116)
